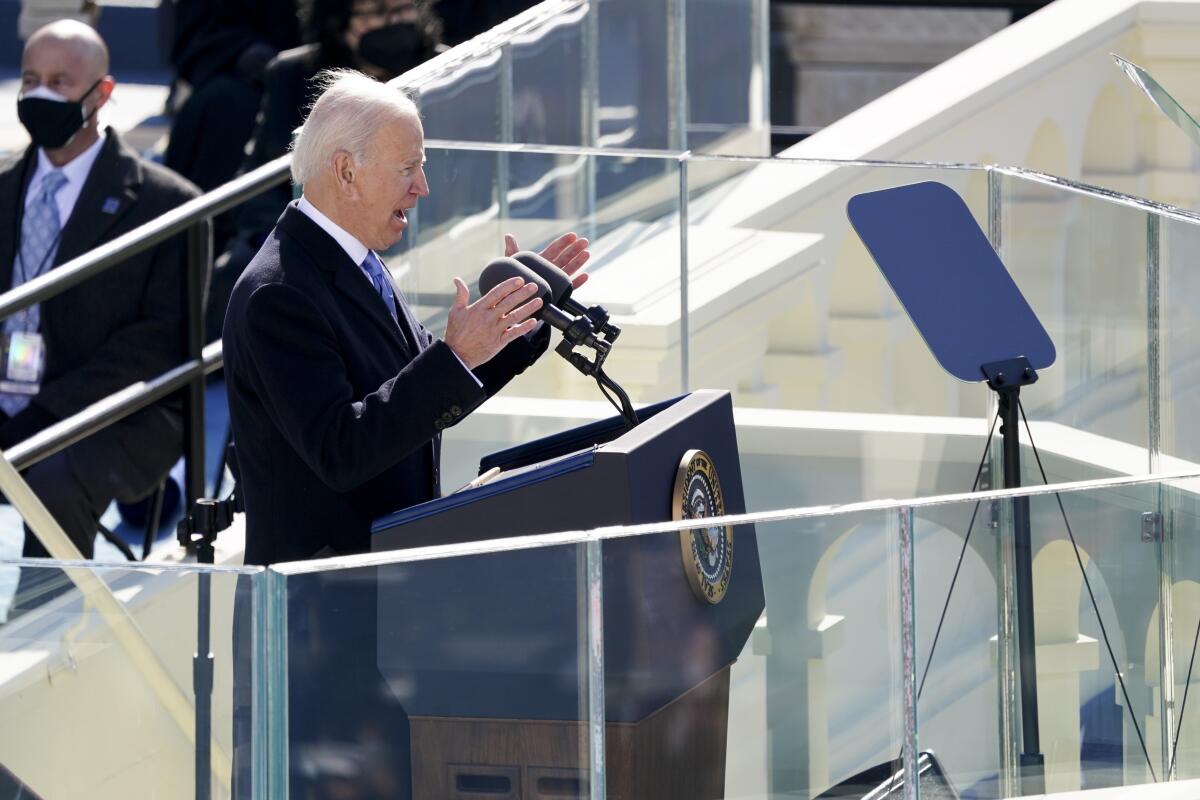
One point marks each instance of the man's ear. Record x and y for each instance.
(103, 91)
(344, 173)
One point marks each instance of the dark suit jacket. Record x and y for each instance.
(124, 325)
(336, 411)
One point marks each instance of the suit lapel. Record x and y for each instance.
(109, 192)
(408, 321)
(350, 280)
(347, 276)
(13, 182)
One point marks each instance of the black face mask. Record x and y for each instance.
(52, 123)
(396, 48)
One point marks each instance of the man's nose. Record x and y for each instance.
(421, 185)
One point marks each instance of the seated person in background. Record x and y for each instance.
(76, 187)
(383, 38)
(221, 49)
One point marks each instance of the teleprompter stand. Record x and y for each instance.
(1006, 378)
(979, 327)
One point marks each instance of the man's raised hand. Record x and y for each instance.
(568, 252)
(478, 331)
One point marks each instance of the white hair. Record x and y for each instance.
(351, 108)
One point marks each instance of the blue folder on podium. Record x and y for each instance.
(503, 651)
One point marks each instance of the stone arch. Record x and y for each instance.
(848, 627)
(1065, 652)
(1110, 140)
(1185, 604)
(1047, 152)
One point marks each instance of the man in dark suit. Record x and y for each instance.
(337, 395)
(76, 187)
(338, 398)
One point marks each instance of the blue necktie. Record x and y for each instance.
(374, 269)
(40, 229)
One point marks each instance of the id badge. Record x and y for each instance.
(24, 362)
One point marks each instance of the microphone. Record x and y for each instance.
(578, 331)
(554, 287)
(560, 292)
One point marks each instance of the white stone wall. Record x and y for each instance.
(846, 56)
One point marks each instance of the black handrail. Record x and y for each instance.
(113, 408)
(201, 361)
(130, 244)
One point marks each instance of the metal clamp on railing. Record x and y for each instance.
(209, 517)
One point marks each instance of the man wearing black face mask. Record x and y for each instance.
(383, 38)
(76, 187)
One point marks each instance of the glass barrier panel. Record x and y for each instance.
(1096, 591)
(1179, 362)
(956, 683)
(97, 689)
(524, 83)
(443, 677)
(548, 102)
(465, 103)
(762, 664)
(662, 75)
(520, 82)
(1081, 262)
(727, 77)
(638, 58)
(838, 397)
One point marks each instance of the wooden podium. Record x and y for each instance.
(494, 675)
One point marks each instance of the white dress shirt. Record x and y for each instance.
(355, 249)
(75, 171)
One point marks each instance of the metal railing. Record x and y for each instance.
(200, 361)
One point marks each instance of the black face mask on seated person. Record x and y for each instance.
(396, 48)
(50, 118)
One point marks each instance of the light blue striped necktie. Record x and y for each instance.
(374, 269)
(40, 229)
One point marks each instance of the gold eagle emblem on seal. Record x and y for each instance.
(707, 552)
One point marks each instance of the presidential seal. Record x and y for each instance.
(707, 552)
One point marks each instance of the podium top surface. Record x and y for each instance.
(557, 455)
(945, 273)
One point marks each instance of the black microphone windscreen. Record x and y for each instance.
(501, 269)
(559, 281)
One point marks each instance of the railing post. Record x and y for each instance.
(1165, 497)
(270, 690)
(908, 649)
(597, 710)
(684, 330)
(199, 255)
(507, 131)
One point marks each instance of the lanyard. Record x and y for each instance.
(19, 269)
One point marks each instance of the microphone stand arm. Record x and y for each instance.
(582, 334)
